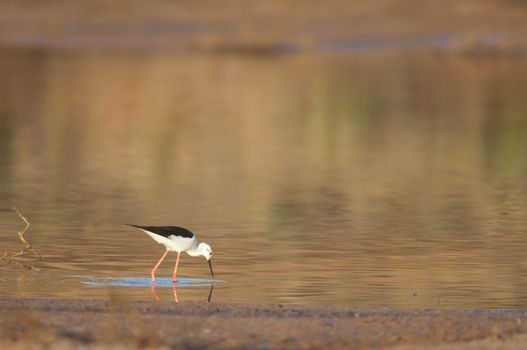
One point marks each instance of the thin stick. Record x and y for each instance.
(26, 244)
(21, 233)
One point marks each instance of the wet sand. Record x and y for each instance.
(100, 324)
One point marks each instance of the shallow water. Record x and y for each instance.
(321, 179)
(144, 282)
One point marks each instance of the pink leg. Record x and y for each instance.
(175, 268)
(157, 265)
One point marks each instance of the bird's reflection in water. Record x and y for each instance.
(154, 293)
(210, 293)
(174, 289)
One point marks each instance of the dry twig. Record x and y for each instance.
(27, 246)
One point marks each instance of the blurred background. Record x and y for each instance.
(340, 152)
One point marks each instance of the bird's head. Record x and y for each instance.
(205, 250)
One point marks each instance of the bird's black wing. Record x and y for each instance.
(167, 231)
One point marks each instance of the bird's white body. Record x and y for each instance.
(175, 243)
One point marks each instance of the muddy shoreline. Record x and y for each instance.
(115, 323)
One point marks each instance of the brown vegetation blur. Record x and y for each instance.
(259, 26)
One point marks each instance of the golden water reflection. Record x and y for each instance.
(371, 180)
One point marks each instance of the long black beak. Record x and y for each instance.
(210, 266)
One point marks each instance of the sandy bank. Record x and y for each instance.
(63, 323)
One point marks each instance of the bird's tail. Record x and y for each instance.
(133, 225)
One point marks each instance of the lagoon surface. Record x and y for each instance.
(346, 179)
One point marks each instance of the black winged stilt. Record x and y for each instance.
(177, 239)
